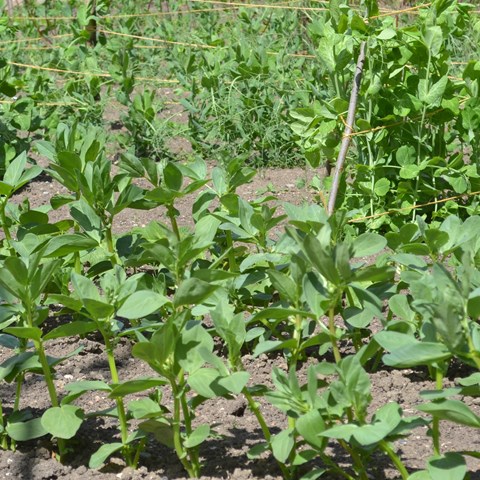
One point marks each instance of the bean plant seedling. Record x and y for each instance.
(388, 281)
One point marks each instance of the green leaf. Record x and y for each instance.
(141, 304)
(368, 244)
(33, 333)
(198, 436)
(84, 287)
(98, 310)
(135, 386)
(406, 155)
(474, 304)
(387, 34)
(285, 286)
(204, 381)
(433, 39)
(68, 243)
(400, 307)
(420, 475)
(86, 386)
(64, 421)
(309, 426)
(326, 53)
(273, 345)
(276, 313)
(192, 291)
(23, 431)
(451, 466)
(99, 457)
(382, 187)
(282, 444)
(358, 24)
(15, 169)
(407, 347)
(71, 329)
(258, 450)
(172, 177)
(410, 171)
(194, 339)
(144, 408)
(452, 410)
(435, 93)
(235, 382)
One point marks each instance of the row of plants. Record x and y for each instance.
(309, 294)
(254, 99)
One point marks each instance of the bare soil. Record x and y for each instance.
(223, 457)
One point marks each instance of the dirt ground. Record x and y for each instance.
(223, 457)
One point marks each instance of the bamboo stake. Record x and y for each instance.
(9, 5)
(348, 129)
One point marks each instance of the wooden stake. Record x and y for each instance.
(357, 80)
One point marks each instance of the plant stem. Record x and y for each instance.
(297, 336)
(436, 421)
(385, 446)
(177, 437)
(4, 441)
(232, 261)
(122, 417)
(334, 467)
(333, 338)
(18, 391)
(173, 221)
(6, 229)
(110, 245)
(357, 461)
(187, 420)
(253, 406)
(47, 373)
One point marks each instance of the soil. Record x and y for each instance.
(225, 456)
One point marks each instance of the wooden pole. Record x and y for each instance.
(92, 24)
(357, 80)
(9, 7)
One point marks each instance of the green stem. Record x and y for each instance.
(333, 337)
(76, 255)
(254, 408)
(110, 245)
(232, 261)
(419, 143)
(173, 221)
(474, 353)
(18, 391)
(385, 446)
(436, 421)
(122, 416)
(297, 336)
(47, 373)
(6, 229)
(357, 461)
(177, 438)
(187, 420)
(140, 447)
(3, 436)
(335, 468)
